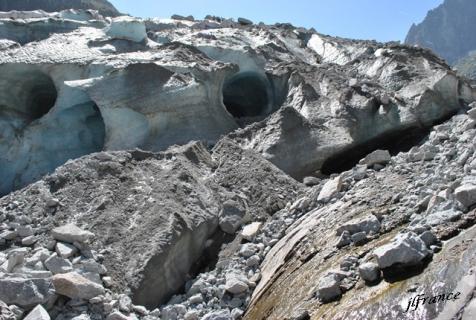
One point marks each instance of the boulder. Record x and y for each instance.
(245, 22)
(218, 315)
(251, 230)
(180, 17)
(57, 264)
(235, 286)
(377, 157)
(406, 249)
(38, 313)
(231, 216)
(26, 292)
(71, 234)
(466, 195)
(329, 288)
(76, 286)
(330, 189)
(369, 272)
(65, 250)
(368, 224)
(441, 217)
(310, 181)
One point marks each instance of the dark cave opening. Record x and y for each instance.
(28, 93)
(395, 142)
(246, 95)
(42, 97)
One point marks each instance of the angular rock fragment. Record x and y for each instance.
(38, 313)
(235, 286)
(71, 234)
(329, 287)
(231, 216)
(26, 292)
(369, 272)
(368, 224)
(377, 157)
(331, 188)
(57, 265)
(406, 249)
(65, 250)
(76, 286)
(466, 195)
(250, 231)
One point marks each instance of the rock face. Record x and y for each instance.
(386, 203)
(444, 30)
(103, 6)
(130, 83)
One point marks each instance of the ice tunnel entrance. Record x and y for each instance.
(247, 95)
(30, 94)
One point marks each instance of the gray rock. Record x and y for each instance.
(71, 234)
(369, 272)
(218, 315)
(250, 231)
(125, 303)
(442, 217)
(231, 216)
(330, 188)
(38, 313)
(192, 315)
(329, 287)
(381, 157)
(26, 292)
(29, 241)
(311, 181)
(428, 238)
(24, 231)
(65, 250)
(368, 224)
(359, 238)
(173, 312)
(466, 195)
(76, 286)
(244, 21)
(179, 17)
(57, 264)
(405, 249)
(344, 239)
(116, 315)
(235, 286)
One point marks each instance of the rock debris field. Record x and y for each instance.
(184, 169)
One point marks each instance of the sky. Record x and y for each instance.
(382, 20)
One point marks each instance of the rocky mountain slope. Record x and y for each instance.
(447, 30)
(212, 169)
(467, 66)
(103, 6)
